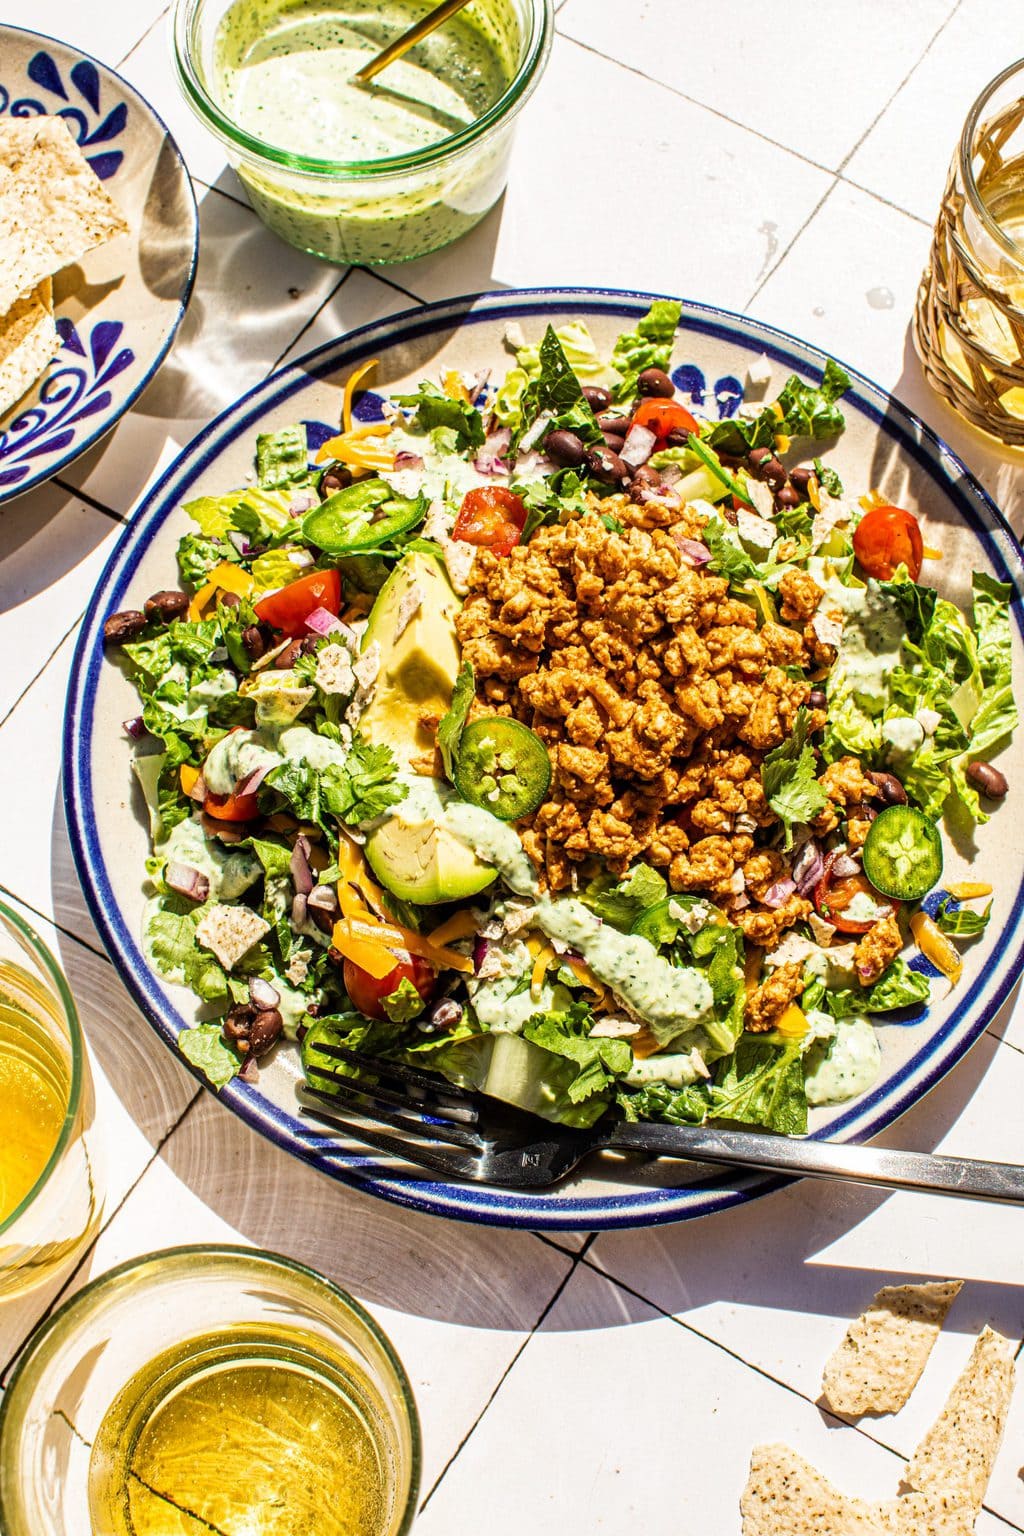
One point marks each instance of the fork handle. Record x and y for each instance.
(970, 1178)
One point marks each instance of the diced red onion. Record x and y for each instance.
(323, 622)
(250, 1072)
(491, 464)
(187, 881)
(478, 389)
(808, 867)
(298, 910)
(239, 540)
(406, 460)
(302, 875)
(866, 974)
(252, 781)
(779, 893)
(843, 866)
(262, 994)
(638, 445)
(739, 902)
(198, 790)
(670, 473)
(480, 948)
(135, 728)
(302, 502)
(324, 899)
(695, 552)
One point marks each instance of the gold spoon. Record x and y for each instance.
(409, 39)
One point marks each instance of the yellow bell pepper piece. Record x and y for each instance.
(349, 395)
(936, 947)
(188, 776)
(540, 968)
(793, 1022)
(969, 890)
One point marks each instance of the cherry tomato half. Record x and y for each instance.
(231, 807)
(887, 537)
(491, 517)
(663, 417)
(832, 896)
(288, 609)
(367, 994)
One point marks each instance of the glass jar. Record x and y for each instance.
(51, 1185)
(334, 205)
(142, 1369)
(969, 319)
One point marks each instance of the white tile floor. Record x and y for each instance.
(786, 159)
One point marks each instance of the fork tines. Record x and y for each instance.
(438, 1087)
(348, 1097)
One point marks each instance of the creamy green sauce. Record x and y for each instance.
(873, 635)
(843, 1066)
(284, 73)
(229, 871)
(240, 753)
(863, 909)
(672, 1069)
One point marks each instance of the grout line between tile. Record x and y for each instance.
(312, 318)
(139, 41)
(780, 258)
(835, 1418)
(108, 1219)
(559, 1288)
(887, 202)
(68, 933)
(36, 676)
(228, 196)
(391, 283)
(90, 500)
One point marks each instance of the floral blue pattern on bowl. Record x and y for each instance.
(111, 346)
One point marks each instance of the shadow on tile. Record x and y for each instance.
(44, 535)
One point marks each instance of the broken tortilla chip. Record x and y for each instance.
(880, 1360)
(958, 1452)
(786, 1496)
(53, 208)
(28, 340)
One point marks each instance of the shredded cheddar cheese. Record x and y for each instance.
(541, 966)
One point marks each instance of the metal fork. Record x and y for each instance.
(462, 1135)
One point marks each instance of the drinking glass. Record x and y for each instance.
(209, 1388)
(969, 319)
(50, 1178)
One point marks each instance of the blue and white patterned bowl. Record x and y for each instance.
(118, 310)
(884, 446)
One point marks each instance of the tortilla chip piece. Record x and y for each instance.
(786, 1496)
(880, 1360)
(16, 137)
(53, 209)
(958, 1451)
(28, 340)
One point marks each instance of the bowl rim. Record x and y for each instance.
(95, 1291)
(359, 1166)
(183, 23)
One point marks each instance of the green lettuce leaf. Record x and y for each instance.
(649, 346)
(961, 922)
(828, 479)
(790, 783)
(205, 1047)
(197, 556)
(620, 902)
(657, 1101)
(449, 730)
(282, 458)
(433, 408)
(762, 1084)
(557, 390)
(598, 1061)
(578, 348)
(404, 1003)
(806, 412)
(897, 987)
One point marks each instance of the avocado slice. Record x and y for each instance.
(413, 622)
(422, 862)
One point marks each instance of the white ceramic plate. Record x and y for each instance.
(884, 446)
(117, 311)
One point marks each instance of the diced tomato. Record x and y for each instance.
(231, 807)
(491, 517)
(367, 994)
(885, 538)
(832, 895)
(663, 417)
(288, 609)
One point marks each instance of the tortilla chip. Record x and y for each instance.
(958, 1451)
(880, 1360)
(16, 137)
(786, 1496)
(53, 209)
(28, 340)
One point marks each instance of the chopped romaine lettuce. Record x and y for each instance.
(205, 1047)
(433, 408)
(282, 458)
(649, 346)
(762, 1083)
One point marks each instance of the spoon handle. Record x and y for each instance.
(409, 39)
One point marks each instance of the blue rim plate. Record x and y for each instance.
(884, 446)
(118, 310)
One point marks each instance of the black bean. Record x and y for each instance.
(336, 477)
(597, 398)
(605, 465)
(656, 383)
(293, 650)
(613, 421)
(773, 474)
(166, 606)
(787, 497)
(614, 441)
(800, 478)
(677, 437)
(228, 599)
(122, 627)
(758, 456)
(238, 1024)
(890, 790)
(252, 640)
(861, 812)
(565, 449)
(266, 1027)
(988, 780)
(816, 699)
